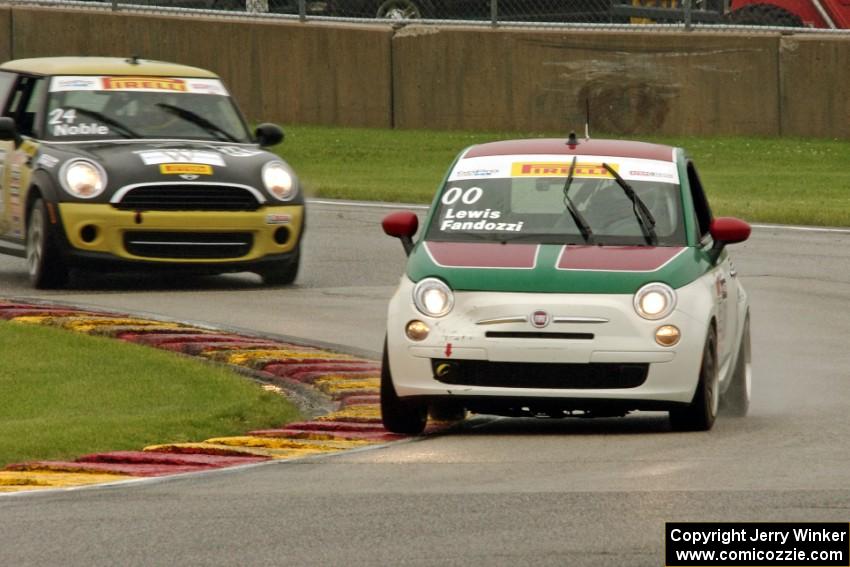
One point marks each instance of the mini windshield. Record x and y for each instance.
(99, 108)
(528, 208)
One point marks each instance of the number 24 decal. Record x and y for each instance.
(60, 115)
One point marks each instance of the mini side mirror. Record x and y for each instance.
(9, 130)
(402, 225)
(268, 134)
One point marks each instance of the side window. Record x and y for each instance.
(703, 211)
(6, 82)
(26, 103)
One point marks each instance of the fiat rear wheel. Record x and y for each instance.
(47, 269)
(700, 414)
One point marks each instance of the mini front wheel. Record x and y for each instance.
(47, 269)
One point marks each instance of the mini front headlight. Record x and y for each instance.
(433, 298)
(655, 301)
(83, 179)
(278, 181)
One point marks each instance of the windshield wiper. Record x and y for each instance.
(198, 120)
(121, 129)
(580, 221)
(642, 214)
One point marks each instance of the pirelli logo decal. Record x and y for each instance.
(143, 84)
(185, 168)
(559, 169)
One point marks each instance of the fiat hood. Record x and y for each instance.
(549, 268)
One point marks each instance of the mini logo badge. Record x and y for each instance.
(539, 319)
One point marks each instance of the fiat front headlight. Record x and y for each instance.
(433, 297)
(655, 301)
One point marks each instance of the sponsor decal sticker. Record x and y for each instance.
(656, 174)
(59, 84)
(236, 151)
(207, 87)
(476, 173)
(185, 168)
(143, 84)
(48, 161)
(278, 219)
(556, 169)
(169, 156)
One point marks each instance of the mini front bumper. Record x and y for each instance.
(95, 233)
(596, 332)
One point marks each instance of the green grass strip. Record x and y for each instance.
(776, 180)
(65, 395)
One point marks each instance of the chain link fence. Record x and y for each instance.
(755, 15)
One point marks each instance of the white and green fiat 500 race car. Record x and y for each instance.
(558, 278)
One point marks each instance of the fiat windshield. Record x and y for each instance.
(513, 204)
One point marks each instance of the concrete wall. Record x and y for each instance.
(636, 83)
(477, 78)
(5, 33)
(815, 89)
(279, 71)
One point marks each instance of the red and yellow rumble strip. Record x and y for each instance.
(351, 384)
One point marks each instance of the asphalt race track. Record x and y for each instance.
(496, 491)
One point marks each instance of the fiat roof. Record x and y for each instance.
(103, 66)
(555, 146)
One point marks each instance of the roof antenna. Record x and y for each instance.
(133, 60)
(572, 141)
(587, 118)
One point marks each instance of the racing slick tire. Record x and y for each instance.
(283, 273)
(447, 412)
(397, 415)
(763, 15)
(735, 401)
(46, 267)
(700, 414)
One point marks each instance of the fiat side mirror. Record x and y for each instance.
(9, 131)
(728, 230)
(402, 225)
(268, 134)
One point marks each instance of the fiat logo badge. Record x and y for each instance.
(539, 319)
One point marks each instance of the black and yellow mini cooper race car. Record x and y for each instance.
(110, 163)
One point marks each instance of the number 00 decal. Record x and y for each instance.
(468, 197)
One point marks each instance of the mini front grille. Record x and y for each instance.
(188, 197)
(539, 375)
(188, 245)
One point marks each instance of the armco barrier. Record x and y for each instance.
(815, 89)
(279, 71)
(636, 83)
(422, 76)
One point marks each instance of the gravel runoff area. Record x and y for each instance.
(338, 390)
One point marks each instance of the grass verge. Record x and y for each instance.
(65, 395)
(777, 180)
